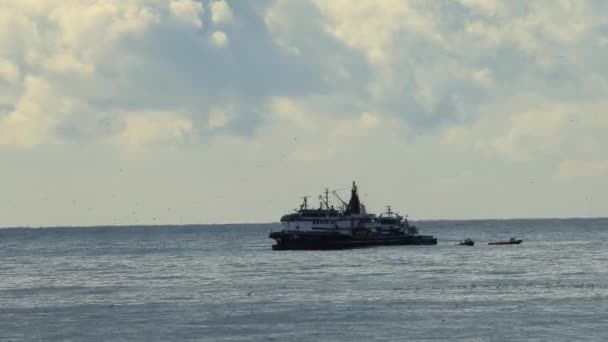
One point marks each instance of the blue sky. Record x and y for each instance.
(183, 111)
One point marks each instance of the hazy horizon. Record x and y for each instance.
(184, 111)
(518, 219)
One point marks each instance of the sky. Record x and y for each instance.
(198, 111)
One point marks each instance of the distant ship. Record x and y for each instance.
(348, 227)
(512, 241)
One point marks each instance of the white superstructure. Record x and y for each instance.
(351, 219)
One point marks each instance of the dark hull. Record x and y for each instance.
(471, 244)
(325, 241)
(516, 242)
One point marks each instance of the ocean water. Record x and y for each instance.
(224, 283)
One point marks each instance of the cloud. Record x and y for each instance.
(220, 12)
(463, 91)
(117, 58)
(65, 57)
(36, 114)
(9, 72)
(398, 60)
(219, 38)
(296, 120)
(483, 77)
(220, 117)
(154, 128)
(67, 63)
(530, 128)
(188, 11)
(487, 7)
(373, 27)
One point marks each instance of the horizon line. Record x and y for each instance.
(276, 222)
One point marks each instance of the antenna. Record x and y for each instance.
(304, 205)
(325, 199)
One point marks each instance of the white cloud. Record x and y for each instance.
(289, 110)
(23, 46)
(483, 77)
(488, 7)
(188, 11)
(280, 19)
(384, 34)
(530, 128)
(220, 117)
(9, 72)
(219, 38)
(344, 134)
(557, 130)
(87, 25)
(69, 36)
(69, 53)
(534, 131)
(67, 63)
(488, 34)
(37, 113)
(220, 12)
(542, 30)
(417, 57)
(373, 26)
(360, 127)
(154, 128)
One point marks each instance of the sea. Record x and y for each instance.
(225, 283)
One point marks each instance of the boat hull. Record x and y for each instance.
(327, 241)
(516, 242)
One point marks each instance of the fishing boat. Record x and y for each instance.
(467, 242)
(349, 226)
(512, 241)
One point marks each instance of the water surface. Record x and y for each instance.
(224, 283)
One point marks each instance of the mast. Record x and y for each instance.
(354, 205)
(304, 205)
(325, 200)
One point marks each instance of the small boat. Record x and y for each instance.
(512, 241)
(467, 242)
